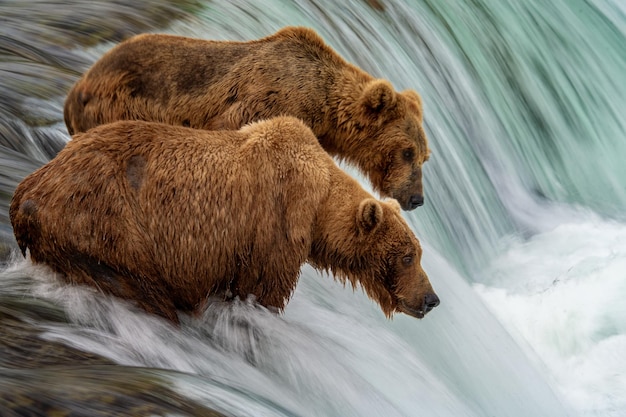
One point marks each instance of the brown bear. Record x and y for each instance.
(167, 216)
(225, 85)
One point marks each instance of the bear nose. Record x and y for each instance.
(430, 301)
(416, 201)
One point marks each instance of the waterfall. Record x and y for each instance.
(524, 227)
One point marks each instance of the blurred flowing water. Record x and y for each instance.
(524, 226)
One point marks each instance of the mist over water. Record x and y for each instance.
(524, 227)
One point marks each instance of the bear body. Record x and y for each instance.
(224, 85)
(167, 216)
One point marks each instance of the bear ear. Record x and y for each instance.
(378, 95)
(415, 98)
(412, 94)
(369, 215)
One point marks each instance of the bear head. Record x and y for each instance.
(392, 146)
(378, 251)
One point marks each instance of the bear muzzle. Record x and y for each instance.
(410, 201)
(430, 301)
(416, 201)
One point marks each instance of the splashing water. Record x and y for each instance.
(523, 227)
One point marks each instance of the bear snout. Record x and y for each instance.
(430, 301)
(410, 196)
(408, 201)
(416, 201)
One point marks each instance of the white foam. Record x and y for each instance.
(561, 294)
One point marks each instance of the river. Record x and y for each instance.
(523, 228)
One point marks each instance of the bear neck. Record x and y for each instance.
(340, 248)
(344, 135)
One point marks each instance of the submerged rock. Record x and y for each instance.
(48, 378)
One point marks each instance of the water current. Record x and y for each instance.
(524, 225)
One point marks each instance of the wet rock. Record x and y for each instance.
(40, 377)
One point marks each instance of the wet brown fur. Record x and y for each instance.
(166, 216)
(225, 85)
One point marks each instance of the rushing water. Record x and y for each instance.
(524, 226)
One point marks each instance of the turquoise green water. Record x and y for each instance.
(523, 227)
(555, 75)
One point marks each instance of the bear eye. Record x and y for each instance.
(407, 260)
(408, 154)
